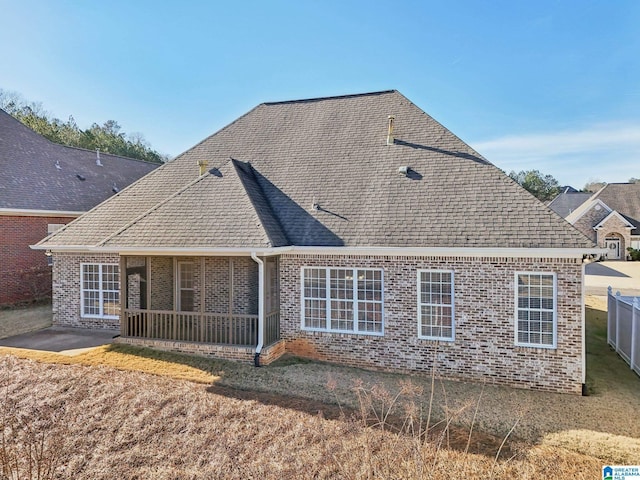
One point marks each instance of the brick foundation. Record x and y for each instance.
(226, 352)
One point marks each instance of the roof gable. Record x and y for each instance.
(320, 173)
(614, 215)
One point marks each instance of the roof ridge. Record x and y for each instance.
(152, 209)
(332, 97)
(102, 153)
(236, 164)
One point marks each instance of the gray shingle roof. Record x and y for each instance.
(623, 198)
(30, 179)
(331, 153)
(567, 202)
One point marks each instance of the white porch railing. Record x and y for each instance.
(623, 327)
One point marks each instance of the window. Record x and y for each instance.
(342, 300)
(185, 287)
(635, 243)
(100, 290)
(536, 309)
(52, 228)
(435, 305)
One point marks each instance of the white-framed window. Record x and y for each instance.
(186, 291)
(52, 228)
(342, 300)
(436, 306)
(100, 290)
(635, 243)
(536, 309)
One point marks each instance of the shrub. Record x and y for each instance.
(634, 253)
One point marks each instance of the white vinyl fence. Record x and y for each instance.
(623, 327)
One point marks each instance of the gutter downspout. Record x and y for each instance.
(256, 358)
(585, 390)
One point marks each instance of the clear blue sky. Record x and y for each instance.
(548, 85)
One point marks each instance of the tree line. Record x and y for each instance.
(545, 187)
(108, 137)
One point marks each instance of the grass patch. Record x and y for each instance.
(604, 446)
(129, 358)
(606, 371)
(18, 320)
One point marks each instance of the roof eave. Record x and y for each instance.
(319, 250)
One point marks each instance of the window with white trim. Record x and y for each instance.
(100, 290)
(536, 309)
(342, 300)
(435, 305)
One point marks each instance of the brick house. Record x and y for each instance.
(44, 186)
(610, 218)
(351, 229)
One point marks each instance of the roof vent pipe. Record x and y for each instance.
(390, 138)
(98, 163)
(202, 164)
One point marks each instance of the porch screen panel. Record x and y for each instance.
(186, 286)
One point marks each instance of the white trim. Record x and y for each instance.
(554, 345)
(584, 327)
(452, 305)
(513, 252)
(100, 291)
(19, 212)
(614, 213)
(579, 212)
(354, 300)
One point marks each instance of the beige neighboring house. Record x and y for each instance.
(611, 218)
(352, 229)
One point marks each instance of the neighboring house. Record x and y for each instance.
(351, 229)
(611, 218)
(567, 201)
(43, 186)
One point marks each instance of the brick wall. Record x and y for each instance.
(484, 347)
(24, 272)
(66, 290)
(590, 219)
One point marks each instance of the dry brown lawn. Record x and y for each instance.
(26, 319)
(123, 412)
(99, 422)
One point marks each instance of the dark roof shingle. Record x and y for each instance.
(320, 173)
(36, 174)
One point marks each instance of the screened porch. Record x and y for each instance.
(211, 300)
